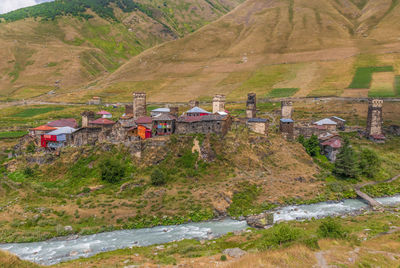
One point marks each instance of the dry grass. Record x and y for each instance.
(11, 261)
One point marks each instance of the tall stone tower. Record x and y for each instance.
(139, 104)
(219, 103)
(375, 119)
(286, 109)
(193, 103)
(251, 105)
(87, 116)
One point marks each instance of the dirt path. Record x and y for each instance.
(321, 262)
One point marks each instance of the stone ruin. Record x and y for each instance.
(251, 105)
(219, 103)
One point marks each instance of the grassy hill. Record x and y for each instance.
(64, 45)
(313, 46)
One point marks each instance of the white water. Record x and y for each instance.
(52, 252)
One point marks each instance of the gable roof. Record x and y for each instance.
(198, 110)
(67, 122)
(325, 121)
(102, 121)
(44, 128)
(211, 117)
(62, 130)
(144, 120)
(334, 143)
(103, 113)
(162, 110)
(338, 118)
(164, 117)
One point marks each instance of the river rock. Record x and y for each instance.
(68, 228)
(234, 252)
(260, 221)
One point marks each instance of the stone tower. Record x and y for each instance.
(375, 119)
(251, 105)
(286, 109)
(87, 116)
(219, 103)
(139, 104)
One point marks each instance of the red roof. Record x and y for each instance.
(103, 113)
(68, 122)
(44, 128)
(102, 121)
(334, 143)
(144, 120)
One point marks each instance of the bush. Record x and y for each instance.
(112, 170)
(158, 177)
(330, 228)
(223, 258)
(311, 145)
(29, 172)
(30, 148)
(281, 234)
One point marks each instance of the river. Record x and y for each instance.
(55, 251)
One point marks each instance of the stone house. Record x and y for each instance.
(163, 124)
(326, 124)
(258, 125)
(330, 146)
(57, 138)
(206, 124)
(86, 136)
(67, 122)
(341, 123)
(95, 101)
(196, 111)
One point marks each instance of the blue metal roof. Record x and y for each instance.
(257, 120)
(286, 120)
(61, 131)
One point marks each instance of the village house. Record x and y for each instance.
(102, 122)
(41, 130)
(196, 111)
(330, 145)
(341, 123)
(325, 124)
(95, 101)
(258, 125)
(204, 124)
(57, 138)
(144, 127)
(163, 124)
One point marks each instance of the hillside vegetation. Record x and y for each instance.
(315, 46)
(63, 45)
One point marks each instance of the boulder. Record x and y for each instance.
(260, 221)
(234, 252)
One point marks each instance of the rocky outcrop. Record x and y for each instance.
(234, 252)
(262, 220)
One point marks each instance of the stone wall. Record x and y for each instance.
(85, 136)
(287, 130)
(204, 127)
(258, 127)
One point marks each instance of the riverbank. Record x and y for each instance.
(276, 246)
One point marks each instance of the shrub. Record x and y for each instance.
(281, 234)
(223, 258)
(158, 177)
(112, 170)
(330, 228)
(30, 148)
(29, 172)
(311, 145)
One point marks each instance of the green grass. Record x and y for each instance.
(363, 76)
(37, 111)
(12, 134)
(397, 85)
(282, 92)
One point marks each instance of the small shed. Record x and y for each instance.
(104, 114)
(258, 125)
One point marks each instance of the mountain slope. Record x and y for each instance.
(58, 46)
(311, 45)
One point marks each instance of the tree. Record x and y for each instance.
(112, 170)
(311, 145)
(369, 163)
(346, 162)
(158, 177)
